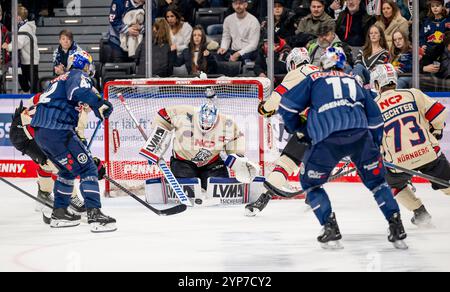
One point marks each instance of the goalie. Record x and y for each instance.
(201, 134)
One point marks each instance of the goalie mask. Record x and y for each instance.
(207, 117)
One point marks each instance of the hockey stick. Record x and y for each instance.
(161, 163)
(287, 194)
(45, 218)
(165, 212)
(94, 134)
(419, 174)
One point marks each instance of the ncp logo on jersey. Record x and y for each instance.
(82, 158)
(5, 127)
(390, 101)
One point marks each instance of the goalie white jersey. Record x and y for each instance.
(293, 78)
(196, 145)
(408, 116)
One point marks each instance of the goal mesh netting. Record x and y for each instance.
(236, 97)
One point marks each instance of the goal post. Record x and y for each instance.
(237, 98)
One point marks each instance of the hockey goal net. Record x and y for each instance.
(236, 97)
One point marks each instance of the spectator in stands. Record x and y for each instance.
(374, 52)
(119, 8)
(326, 38)
(315, 19)
(335, 7)
(283, 21)
(4, 38)
(241, 32)
(401, 57)
(391, 20)
(67, 47)
(281, 51)
(163, 52)
(197, 56)
(353, 23)
(405, 7)
(181, 31)
(437, 59)
(24, 45)
(434, 25)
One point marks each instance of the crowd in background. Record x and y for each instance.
(370, 32)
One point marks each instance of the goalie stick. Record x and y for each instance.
(163, 212)
(160, 162)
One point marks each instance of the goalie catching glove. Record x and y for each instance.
(244, 169)
(157, 144)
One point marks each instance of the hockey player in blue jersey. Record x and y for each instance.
(343, 120)
(54, 122)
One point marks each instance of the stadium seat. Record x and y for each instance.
(117, 69)
(228, 68)
(208, 16)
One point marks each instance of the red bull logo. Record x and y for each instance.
(436, 38)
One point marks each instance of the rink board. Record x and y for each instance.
(14, 164)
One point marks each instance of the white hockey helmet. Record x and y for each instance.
(208, 115)
(333, 57)
(383, 75)
(297, 57)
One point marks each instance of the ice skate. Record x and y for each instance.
(62, 217)
(254, 208)
(99, 222)
(77, 205)
(330, 238)
(397, 232)
(45, 197)
(422, 218)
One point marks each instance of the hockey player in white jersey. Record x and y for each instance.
(201, 134)
(413, 127)
(297, 63)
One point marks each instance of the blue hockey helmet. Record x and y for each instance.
(81, 59)
(333, 57)
(208, 115)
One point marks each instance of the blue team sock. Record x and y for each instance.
(385, 199)
(321, 205)
(90, 192)
(63, 192)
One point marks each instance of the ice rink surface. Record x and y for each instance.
(281, 238)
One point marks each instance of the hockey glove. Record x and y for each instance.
(104, 111)
(437, 133)
(100, 168)
(263, 112)
(244, 169)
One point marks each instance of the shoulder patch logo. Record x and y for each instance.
(82, 158)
